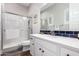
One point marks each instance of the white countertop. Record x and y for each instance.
(71, 43)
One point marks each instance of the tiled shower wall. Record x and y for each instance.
(73, 34)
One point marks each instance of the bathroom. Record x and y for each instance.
(39, 29)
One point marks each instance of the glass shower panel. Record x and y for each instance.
(0, 28)
(15, 29)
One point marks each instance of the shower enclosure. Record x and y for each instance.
(14, 30)
(0, 28)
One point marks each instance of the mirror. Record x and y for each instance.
(74, 16)
(60, 17)
(55, 17)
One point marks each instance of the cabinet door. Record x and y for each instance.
(48, 45)
(41, 51)
(38, 48)
(32, 46)
(66, 52)
(46, 52)
(41, 48)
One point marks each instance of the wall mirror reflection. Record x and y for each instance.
(55, 16)
(60, 17)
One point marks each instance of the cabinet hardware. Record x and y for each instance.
(39, 48)
(32, 43)
(68, 55)
(43, 51)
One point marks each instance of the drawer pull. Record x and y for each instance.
(43, 51)
(31, 38)
(39, 48)
(32, 43)
(68, 55)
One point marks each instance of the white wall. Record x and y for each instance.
(15, 8)
(35, 10)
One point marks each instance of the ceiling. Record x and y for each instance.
(44, 6)
(25, 4)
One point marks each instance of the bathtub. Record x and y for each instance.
(15, 46)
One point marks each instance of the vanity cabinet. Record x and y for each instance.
(42, 47)
(38, 50)
(32, 46)
(46, 52)
(67, 52)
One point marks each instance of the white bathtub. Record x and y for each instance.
(15, 46)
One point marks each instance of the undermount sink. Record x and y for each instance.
(50, 36)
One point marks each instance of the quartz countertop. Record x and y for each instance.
(70, 43)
